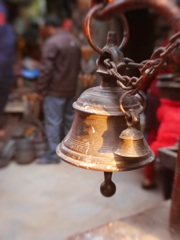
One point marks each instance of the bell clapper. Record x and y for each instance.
(108, 188)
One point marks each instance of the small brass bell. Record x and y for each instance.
(133, 148)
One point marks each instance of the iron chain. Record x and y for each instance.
(147, 68)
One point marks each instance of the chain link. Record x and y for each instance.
(147, 68)
(159, 57)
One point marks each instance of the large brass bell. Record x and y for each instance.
(94, 136)
(93, 140)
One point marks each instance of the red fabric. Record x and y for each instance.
(151, 136)
(2, 19)
(67, 24)
(168, 132)
(169, 129)
(149, 171)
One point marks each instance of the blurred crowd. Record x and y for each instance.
(46, 63)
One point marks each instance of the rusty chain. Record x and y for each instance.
(108, 63)
(159, 57)
(147, 68)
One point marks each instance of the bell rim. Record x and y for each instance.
(103, 168)
(120, 153)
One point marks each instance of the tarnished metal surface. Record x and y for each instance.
(94, 136)
(105, 101)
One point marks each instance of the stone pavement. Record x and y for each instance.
(152, 224)
(58, 201)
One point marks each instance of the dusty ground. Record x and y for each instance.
(57, 201)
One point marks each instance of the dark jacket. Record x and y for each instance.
(60, 65)
(7, 54)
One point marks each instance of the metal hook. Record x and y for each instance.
(87, 27)
(125, 26)
(131, 116)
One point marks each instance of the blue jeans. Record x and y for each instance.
(59, 115)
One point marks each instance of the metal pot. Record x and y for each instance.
(7, 152)
(24, 157)
(24, 151)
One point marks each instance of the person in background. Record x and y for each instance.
(7, 59)
(57, 83)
